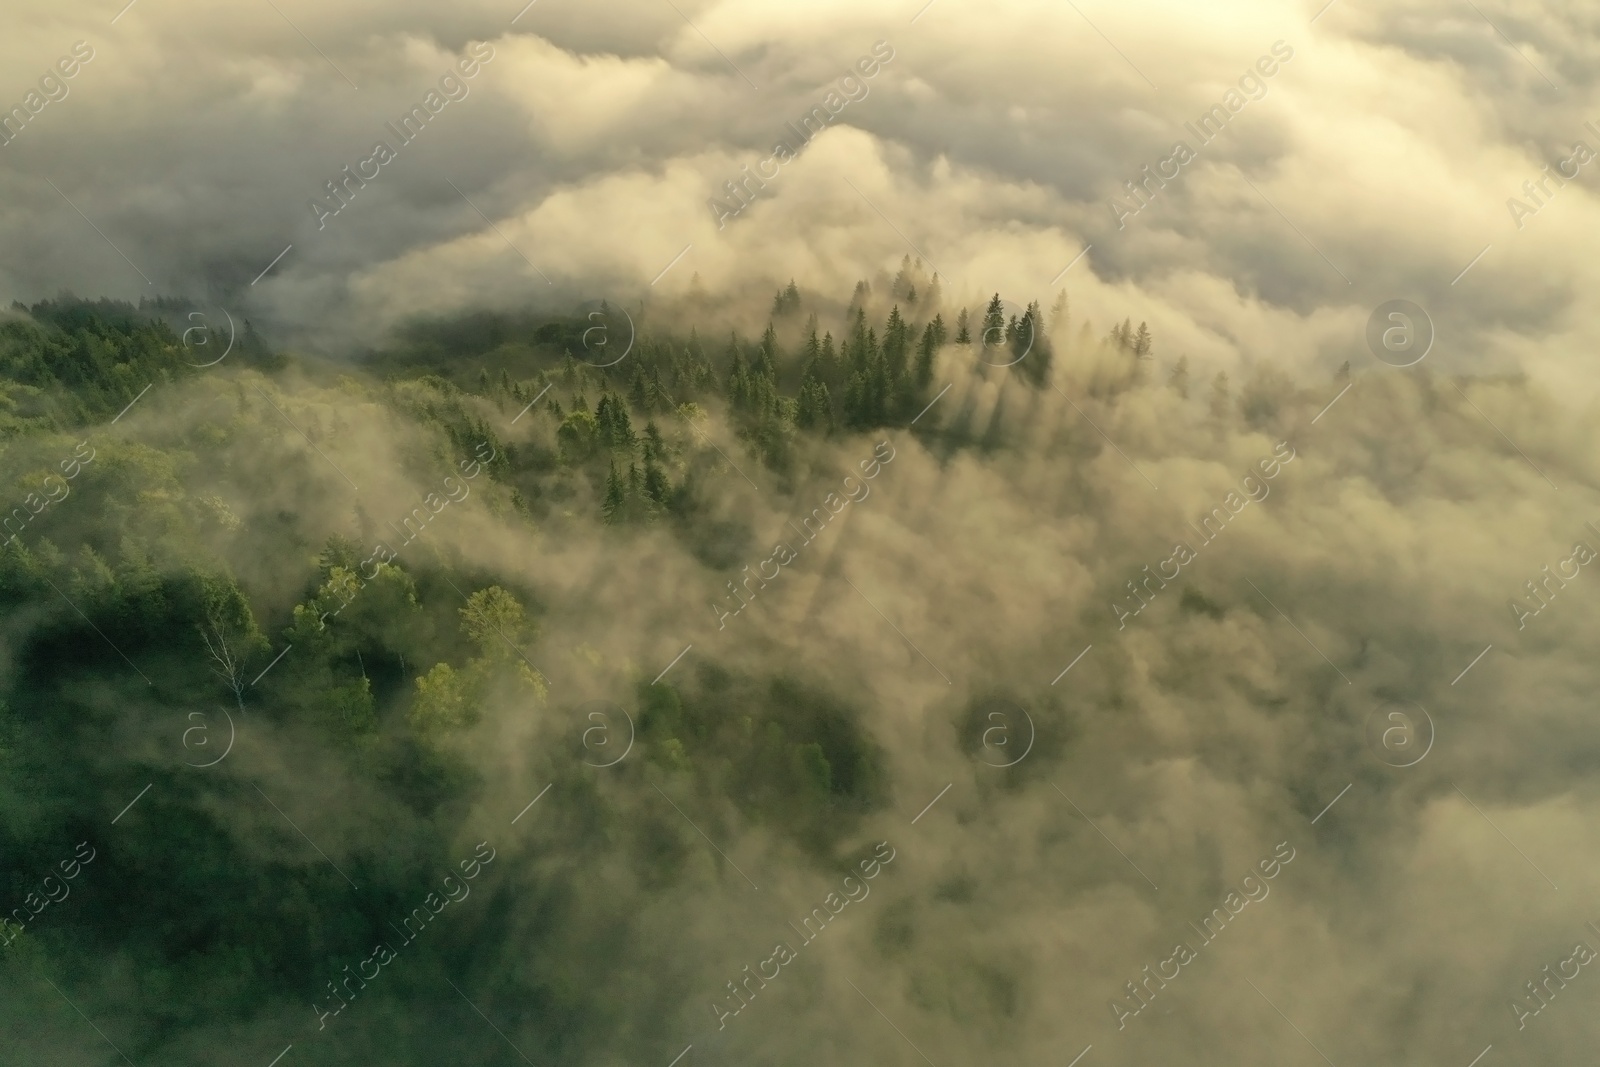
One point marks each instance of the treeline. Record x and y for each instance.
(797, 379)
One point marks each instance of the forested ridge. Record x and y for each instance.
(188, 590)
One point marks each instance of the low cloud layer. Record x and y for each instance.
(1109, 670)
(1376, 163)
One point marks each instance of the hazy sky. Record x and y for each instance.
(1375, 163)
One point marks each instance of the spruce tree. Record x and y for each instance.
(615, 495)
(622, 425)
(895, 342)
(767, 353)
(1141, 342)
(1058, 313)
(858, 299)
(656, 485)
(1179, 378)
(994, 324)
(925, 352)
(962, 336)
(738, 382)
(815, 410)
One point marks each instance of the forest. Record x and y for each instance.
(217, 631)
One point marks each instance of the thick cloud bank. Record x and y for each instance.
(1219, 702)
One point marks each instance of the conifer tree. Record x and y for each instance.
(895, 342)
(1058, 313)
(858, 299)
(925, 353)
(622, 425)
(1179, 378)
(1141, 342)
(994, 324)
(738, 382)
(962, 336)
(615, 495)
(767, 353)
(815, 410)
(656, 485)
(813, 347)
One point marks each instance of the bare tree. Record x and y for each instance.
(228, 666)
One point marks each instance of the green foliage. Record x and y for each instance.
(792, 755)
(209, 562)
(448, 699)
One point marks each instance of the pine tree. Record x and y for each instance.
(1058, 313)
(615, 495)
(813, 347)
(622, 426)
(933, 295)
(925, 353)
(1141, 342)
(858, 299)
(939, 335)
(815, 409)
(855, 401)
(896, 340)
(863, 342)
(1179, 378)
(654, 445)
(994, 324)
(902, 280)
(738, 382)
(766, 361)
(656, 485)
(1029, 348)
